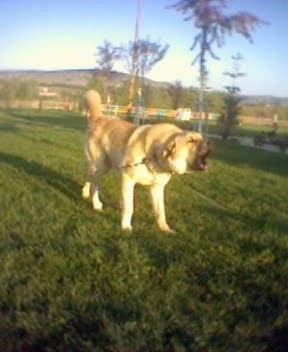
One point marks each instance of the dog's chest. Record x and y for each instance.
(144, 175)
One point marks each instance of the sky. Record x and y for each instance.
(64, 34)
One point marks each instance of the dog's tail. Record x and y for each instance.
(93, 104)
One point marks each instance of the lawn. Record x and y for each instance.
(71, 280)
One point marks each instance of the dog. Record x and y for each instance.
(148, 155)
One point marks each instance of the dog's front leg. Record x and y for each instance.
(127, 202)
(157, 196)
(86, 190)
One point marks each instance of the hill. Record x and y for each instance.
(77, 79)
(69, 77)
(265, 100)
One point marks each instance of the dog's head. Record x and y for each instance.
(187, 151)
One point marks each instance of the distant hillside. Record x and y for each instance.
(73, 77)
(265, 100)
(80, 77)
(77, 78)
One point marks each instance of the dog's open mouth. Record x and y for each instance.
(205, 149)
(202, 164)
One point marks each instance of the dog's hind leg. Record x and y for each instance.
(97, 166)
(91, 187)
(97, 204)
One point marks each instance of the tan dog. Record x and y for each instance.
(147, 155)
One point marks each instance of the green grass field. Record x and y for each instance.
(71, 280)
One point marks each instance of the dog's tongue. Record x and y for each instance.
(203, 165)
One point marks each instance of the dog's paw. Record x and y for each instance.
(166, 228)
(127, 228)
(126, 225)
(98, 206)
(86, 190)
(171, 231)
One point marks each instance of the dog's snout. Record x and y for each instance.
(210, 145)
(206, 147)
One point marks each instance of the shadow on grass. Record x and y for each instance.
(62, 119)
(8, 126)
(253, 222)
(234, 154)
(65, 185)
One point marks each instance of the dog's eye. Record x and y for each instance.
(194, 137)
(191, 140)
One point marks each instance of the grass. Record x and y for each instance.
(71, 280)
(246, 130)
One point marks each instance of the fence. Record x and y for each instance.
(39, 104)
(262, 121)
(123, 110)
(118, 110)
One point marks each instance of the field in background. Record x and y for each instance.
(71, 280)
(247, 122)
(243, 130)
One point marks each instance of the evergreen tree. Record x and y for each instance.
(231, 110)
(212, 24)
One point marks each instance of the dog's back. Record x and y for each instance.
(107, 135)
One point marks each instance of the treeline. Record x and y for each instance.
(11, 89)
(166, 96)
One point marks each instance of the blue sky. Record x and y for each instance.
(62, 34)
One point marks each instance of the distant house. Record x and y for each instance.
(45, 92)
(183, 114)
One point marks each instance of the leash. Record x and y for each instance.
(144, 161)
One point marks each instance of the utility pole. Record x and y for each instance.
(135, 56)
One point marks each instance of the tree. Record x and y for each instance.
(234, 73)
(149, 53)
(140, 56)
(229, 117)
(176, 93)
(18, 89)
(212, 25)
(27, 90)
(8, 91)
(96, 83)
(107, 55)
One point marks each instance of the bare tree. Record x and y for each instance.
(107, 54)
(149, 54)
(140, 56)
(213, 25)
